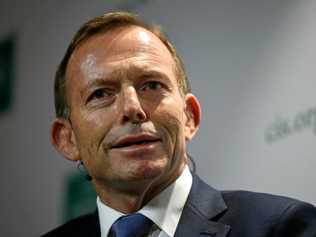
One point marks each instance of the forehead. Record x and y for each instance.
(123, 44)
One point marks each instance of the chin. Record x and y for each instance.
(146, 171)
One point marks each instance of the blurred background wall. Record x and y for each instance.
(251, 64)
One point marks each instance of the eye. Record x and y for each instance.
(151, 85)
(101, 93)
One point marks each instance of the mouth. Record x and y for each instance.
(135, 141)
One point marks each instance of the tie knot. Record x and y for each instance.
(134, 225)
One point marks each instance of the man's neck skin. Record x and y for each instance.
(134, 199)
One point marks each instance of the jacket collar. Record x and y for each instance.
(204, 204)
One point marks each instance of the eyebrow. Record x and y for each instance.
(111, 78)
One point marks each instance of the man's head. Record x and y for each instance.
(104, 24)
(130, 110)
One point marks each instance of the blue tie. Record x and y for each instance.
(134, 225)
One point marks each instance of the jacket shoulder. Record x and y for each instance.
(275, 215)
(259, 204)
(86, 225)
(255, 199)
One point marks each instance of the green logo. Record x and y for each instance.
(284, 127)
(80, 196)
(6, 73)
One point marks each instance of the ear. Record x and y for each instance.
(63, 139)
(193, 115)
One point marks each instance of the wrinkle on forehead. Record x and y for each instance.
(119, 46)
(122, 65)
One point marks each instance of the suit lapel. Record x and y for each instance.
(203, 204)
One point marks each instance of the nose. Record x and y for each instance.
(132, 110)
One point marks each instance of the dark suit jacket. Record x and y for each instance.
(209, 212)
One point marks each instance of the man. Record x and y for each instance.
(124, 109)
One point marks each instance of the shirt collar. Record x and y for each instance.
(164, 210)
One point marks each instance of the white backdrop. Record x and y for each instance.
(251, 64)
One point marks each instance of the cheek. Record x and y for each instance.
(99, 121)
(90, 132)
(171, 111)
(170, 117)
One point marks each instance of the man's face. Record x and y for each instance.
(128, 117)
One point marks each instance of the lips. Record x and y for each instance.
(133, 140)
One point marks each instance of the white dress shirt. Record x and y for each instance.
(164, 210)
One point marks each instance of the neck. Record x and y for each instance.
(122, 201)
(132, 199)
